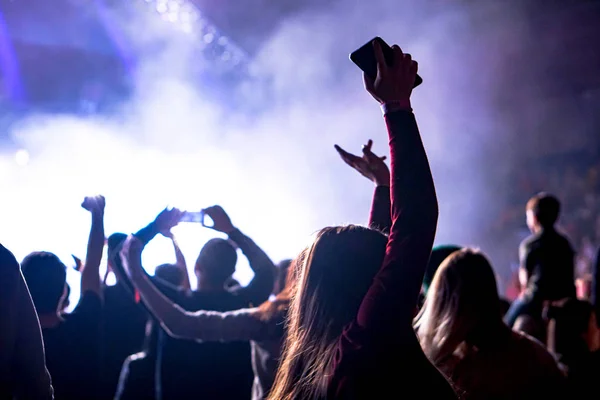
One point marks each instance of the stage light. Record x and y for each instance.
(22, 157)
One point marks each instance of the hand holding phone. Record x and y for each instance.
(365, 58)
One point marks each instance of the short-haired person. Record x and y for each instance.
(547, 268)
(72, 343)
(350, 333)
(219, 367)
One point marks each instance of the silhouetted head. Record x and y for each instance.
(462, 305)
(170, 273)
(542, 211)
(216, 262)
(282, 273)
(438, 255)
(114, 244)
(46, 277)
(332, 279)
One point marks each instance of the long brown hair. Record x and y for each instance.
(333, 276)
(461, 306)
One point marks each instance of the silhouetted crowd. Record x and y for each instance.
(370, 312)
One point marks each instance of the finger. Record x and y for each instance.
(398, 55)
(369, 83)
(383, 158)
(414, 68)
(381, 64)
(407, 63)
(368, 146)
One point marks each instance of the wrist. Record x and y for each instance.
(395, 105)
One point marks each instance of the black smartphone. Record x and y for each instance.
(365, 59)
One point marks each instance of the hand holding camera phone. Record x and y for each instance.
(217, 219)
(365, 58)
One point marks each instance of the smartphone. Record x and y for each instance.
(195, 217)
(365, 59)
(198, 217)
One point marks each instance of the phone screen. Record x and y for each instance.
(365, 59)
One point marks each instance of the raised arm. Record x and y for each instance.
(180, 261)
(374, 169)
(261, 286)
(392, 298)
(201, 325)
(90, 274)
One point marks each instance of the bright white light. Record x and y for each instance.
(161, 7)
(22, 157)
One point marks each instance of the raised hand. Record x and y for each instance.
(94, 204)
(393, 84)
(369, 165)
(221, 221)
(167, 220)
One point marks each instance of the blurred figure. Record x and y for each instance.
(123, 320)
(350, 321)
(226, 369)
(281, 276)
(547, 261)
(461, 331)
(138, 375)
(574, 337)
(72, 343)
(263, 326)
(23, 373)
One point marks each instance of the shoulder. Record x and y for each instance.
(530, 241)
(535, 352)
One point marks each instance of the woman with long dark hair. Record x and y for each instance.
(350, 330)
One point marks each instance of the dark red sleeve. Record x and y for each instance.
(380, 217)
(392, 298)
(379, 350)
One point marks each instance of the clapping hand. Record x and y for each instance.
(369, 165)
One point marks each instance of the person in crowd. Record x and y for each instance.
(574, 337)
(461, 331)
(72, 344)
(350, 332)
(263, 325)
(227, 369)
(547, 261)
(137, 379)
(123, 321)
(23, 372)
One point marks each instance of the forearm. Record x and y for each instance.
(261, 285)
(182, 265)
(395, 289)
(380, 217)
(90, 276)
(172, 317)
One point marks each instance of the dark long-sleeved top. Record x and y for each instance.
(378, 355)
(380, 217)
